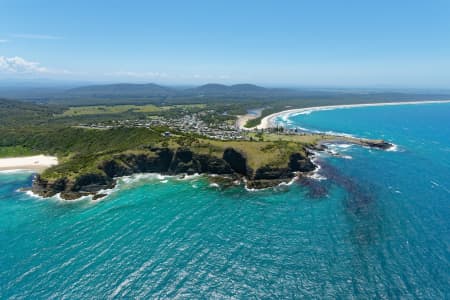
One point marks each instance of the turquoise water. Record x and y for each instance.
(377, 226)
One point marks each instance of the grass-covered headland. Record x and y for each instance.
(91, 159)
(125, 140)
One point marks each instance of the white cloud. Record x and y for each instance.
(35, 36)
(19, 65)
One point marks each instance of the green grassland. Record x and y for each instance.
(274, 154)
(80, 150)
(103, 109)
(118, 109)
(309, 139)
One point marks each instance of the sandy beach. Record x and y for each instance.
(36, 163)
(242, 119)
(269, 121)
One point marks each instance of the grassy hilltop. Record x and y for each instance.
(80, 150)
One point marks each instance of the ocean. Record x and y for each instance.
(372, 224)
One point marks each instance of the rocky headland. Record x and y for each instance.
(230, 164)
(233, 165)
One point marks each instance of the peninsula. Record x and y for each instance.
(93, 145)
(257, 164)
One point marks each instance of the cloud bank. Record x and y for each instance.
(17, 64)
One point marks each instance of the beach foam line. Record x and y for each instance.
(269, 121)
(15, 171)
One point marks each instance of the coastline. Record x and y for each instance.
(243, 119)
(233, 165)
(36, 163)
(269, 121)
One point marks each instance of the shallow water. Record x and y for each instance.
(378, 226)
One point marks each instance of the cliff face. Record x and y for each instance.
(237, 161)
(171, 162)
(86, 184)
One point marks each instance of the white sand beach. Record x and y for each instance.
(36, 163)
(252, 114)
(242, 120)
(269, 121)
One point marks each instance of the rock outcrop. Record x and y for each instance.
(380, 144)
(47, 188)
(300, 163)
(83, 185)
(237, 161)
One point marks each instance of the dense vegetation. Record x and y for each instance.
(16, 113)
(68, 140)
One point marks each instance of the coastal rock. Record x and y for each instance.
(69, 195)
(183, 162)
(223, 181)
(157, 160)
(86, 184)
(164, 158)
(190, 167)
(300, 163)
(237, 161)
(268, 172)
(183, 155)
(214, 165)
(233, 165)
(380, 144)
(99, 196)
(92, 183)
(263, 183)
(112, 168)
(47, 188)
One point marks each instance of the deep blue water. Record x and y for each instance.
(377, 227)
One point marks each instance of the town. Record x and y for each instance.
(193, 123)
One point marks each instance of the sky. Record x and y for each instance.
(335, 43)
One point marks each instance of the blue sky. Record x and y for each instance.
(384, 43)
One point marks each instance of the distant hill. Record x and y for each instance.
(214, 89)
(152, 90)
(128, 93)
(209, 88)
(122, 90)
(247, 88)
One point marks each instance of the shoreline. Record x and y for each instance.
(226, 171)
(36, 163)
(251, 114)
(269, 121)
